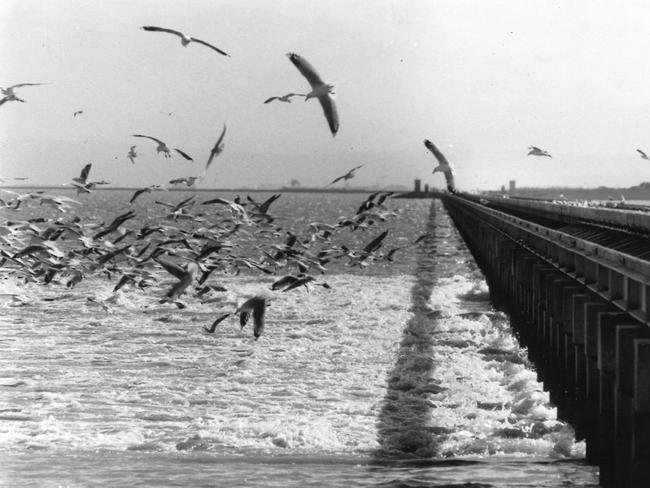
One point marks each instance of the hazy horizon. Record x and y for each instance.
(483, 80)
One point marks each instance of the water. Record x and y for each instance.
(400, 374)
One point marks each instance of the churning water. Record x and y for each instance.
(398, 375)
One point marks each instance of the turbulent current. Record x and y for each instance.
(397, 375)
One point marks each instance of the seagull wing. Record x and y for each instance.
(138, 193)
(306, 69)
(185, 155)
(643, 155)
(270, 99)
(173, 269)
(152, 28)
(83, 176)
(451, 186)
(216, 322)
(148, 137)
(356, 168)
(331, 114)
(439, 156)
(210, 46)
(216, 150)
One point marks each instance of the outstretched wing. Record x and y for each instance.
(439, 156)
(83, 176)
(173, 269)
(153, 28)
(148, 137)
(331, 114)
(643, 155)
(270, 99)
(210, 46)
(138, 193)
(306, 69)
(216, 150)
(185, 155)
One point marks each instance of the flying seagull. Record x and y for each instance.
(643, 155)
(443, 165)
(164, 148)
(82, 179)
(256, 306)
(535, 151)
(217, 149)
(319, 89)
(188, 180)
(78, 112)
(347, 176)
(132, 154)
(9, 91)
(185, 39)
(285, 98)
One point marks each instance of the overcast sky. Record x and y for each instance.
(482, 79)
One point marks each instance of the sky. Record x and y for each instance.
(482, 79)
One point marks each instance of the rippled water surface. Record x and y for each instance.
(398, 375)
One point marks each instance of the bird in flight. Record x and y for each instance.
(9, 91)
(347, 176)
(643, 155)
(164, 148)
(319, 89)
(256, 306)
(78, 112)
(217, 149)
(185, 39)
(10, 95)
(535, 151)
(285, 98)
(188, 180)
(132, 154)
(443, 165)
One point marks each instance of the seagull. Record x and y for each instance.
(185, 39)
(188, 180)
(82, 179)
(256, 305)
(164, 148)
(320, 90)
(78, 112)
(643, 155)
(347, 176)
(185, 277)
(148, 189)
(132, 154)
(217, 149)
(9, 91)
(443, 165)
(285, 98)
(535, 151)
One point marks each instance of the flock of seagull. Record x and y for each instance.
(193, 242)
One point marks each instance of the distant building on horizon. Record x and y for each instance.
(512, 186)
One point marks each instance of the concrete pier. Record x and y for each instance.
(576, 282)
